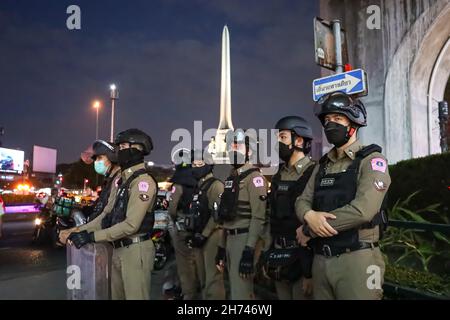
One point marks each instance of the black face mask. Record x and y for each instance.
(336, 134)
(200, 172)
(129, 157)
(237, 159)
(284, 152)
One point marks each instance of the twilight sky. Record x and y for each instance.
(164, 55)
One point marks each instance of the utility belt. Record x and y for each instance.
(125, 242)
(285, 243)
(332, 251)
(234, 232)
(287, 263)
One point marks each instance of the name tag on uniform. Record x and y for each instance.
(283, 187)
(195, 198)
(327, 182)
(228, 184)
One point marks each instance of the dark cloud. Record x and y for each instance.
(168, 74)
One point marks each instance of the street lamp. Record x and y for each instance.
(96, 107)
(114, 97)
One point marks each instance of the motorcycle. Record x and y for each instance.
(65, 214)
(160, 234)
(161, 239)
(44, 226)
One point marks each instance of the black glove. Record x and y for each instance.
(306, 230)
(82, 238)
(246, 267)
(198, 240)
(220, 256)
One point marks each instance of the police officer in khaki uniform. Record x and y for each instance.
(242, 211)
(105, 157)
(293, 281)
(127, 223)
(205, 232)
(182, 191)
(342, 206)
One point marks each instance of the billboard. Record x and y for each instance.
(44, 159)
(11, 160)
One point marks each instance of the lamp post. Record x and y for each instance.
(96, 107)
(114, 97)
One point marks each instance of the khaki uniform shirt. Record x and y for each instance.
(252, 189)
(142, 196)
(373, 183)
(213, 194)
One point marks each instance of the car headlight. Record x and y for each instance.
(37, 221)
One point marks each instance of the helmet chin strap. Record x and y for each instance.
(351, 131)
(293, 136)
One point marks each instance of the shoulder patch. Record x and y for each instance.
(143, 186)
(116, 182)
(378, 164)
(173, 189)
(258, 182)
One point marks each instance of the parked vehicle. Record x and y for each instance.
(160, 234)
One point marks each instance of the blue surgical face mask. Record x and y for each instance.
(100, 167)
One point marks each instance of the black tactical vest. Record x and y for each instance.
(230, 206)
(186, 198)
(102, 200)
(283, 219)
(184, 178)
(119, 211)
(334, 190)
(199, 212)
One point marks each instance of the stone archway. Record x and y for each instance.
(422, 65)
(429, 75)
(436, 90)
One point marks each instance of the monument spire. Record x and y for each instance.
(218, 147)
(225, 85)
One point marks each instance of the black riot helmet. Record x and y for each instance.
(135, 136)
(339, 102)
(108, 149)
(299, 127)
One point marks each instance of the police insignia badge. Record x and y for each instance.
(258, 182)
(378, 164)
(380, 185)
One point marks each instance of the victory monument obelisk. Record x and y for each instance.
(218, 146)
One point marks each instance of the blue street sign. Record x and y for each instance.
(351, 82)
